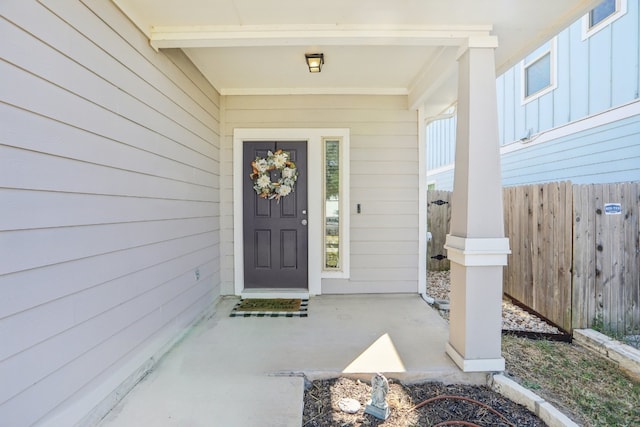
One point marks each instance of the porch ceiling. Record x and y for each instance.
(406, 47)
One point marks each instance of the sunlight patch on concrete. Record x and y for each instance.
(381, 356)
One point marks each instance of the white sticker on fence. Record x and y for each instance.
(612, 208)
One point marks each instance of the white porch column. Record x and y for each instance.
(476, 244)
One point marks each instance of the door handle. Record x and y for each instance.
(303, 222)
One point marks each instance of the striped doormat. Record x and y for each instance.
(274, 307)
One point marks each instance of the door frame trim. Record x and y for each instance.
(314, 138)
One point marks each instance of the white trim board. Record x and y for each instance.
(422, 202)
(475, 365)
(314, 138)
(600, 119)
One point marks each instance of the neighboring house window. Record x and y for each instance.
(601, 16)
(332, 201)
(601, 12)
(538, 75)
(539, 72)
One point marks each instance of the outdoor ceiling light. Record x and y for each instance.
(314, 61)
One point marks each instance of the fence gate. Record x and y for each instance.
(438, 218)
(606, 278)
(538, 222)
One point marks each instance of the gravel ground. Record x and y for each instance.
(321, 406)
(514, 318)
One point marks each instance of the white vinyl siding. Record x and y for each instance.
(109, 190)
(383, 177)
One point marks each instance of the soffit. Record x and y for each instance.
(405, 47)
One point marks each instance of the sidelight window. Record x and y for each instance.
(332, 202)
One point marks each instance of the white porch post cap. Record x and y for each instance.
(476, 252)
(477, 42)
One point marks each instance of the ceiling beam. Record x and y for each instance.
(298, 35)
(435, 76)
(432, 76)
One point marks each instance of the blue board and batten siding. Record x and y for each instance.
(595, 74)
(441, 147)
(607, 153)
(109, 224)
(443, 134)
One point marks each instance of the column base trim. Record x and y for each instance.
(475, 365)
(477, 252)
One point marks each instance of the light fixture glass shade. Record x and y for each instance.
(314, 62)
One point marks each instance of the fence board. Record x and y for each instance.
(602, 292)
(527, 227)
(632, 288)
(635, 260)
(584, 271)
(567, 252)
(580, 291)
(614, 258)
(541, 242)
(544, 248)
(565, 258)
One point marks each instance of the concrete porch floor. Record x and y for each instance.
(249, 371)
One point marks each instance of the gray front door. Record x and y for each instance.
(275, 232)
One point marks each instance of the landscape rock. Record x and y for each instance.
(514, 318)
(348, 405)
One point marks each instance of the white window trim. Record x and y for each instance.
(553, 49)
(343, 208)
(621, 9)
(315, 179)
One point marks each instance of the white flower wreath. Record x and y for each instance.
(261, 175)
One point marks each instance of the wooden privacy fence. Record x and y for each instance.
(538, 222)
(575, 252)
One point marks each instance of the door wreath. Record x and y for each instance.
(261, 175)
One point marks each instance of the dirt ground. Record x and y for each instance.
(321, 406)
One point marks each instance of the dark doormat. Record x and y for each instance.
(275, 307)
